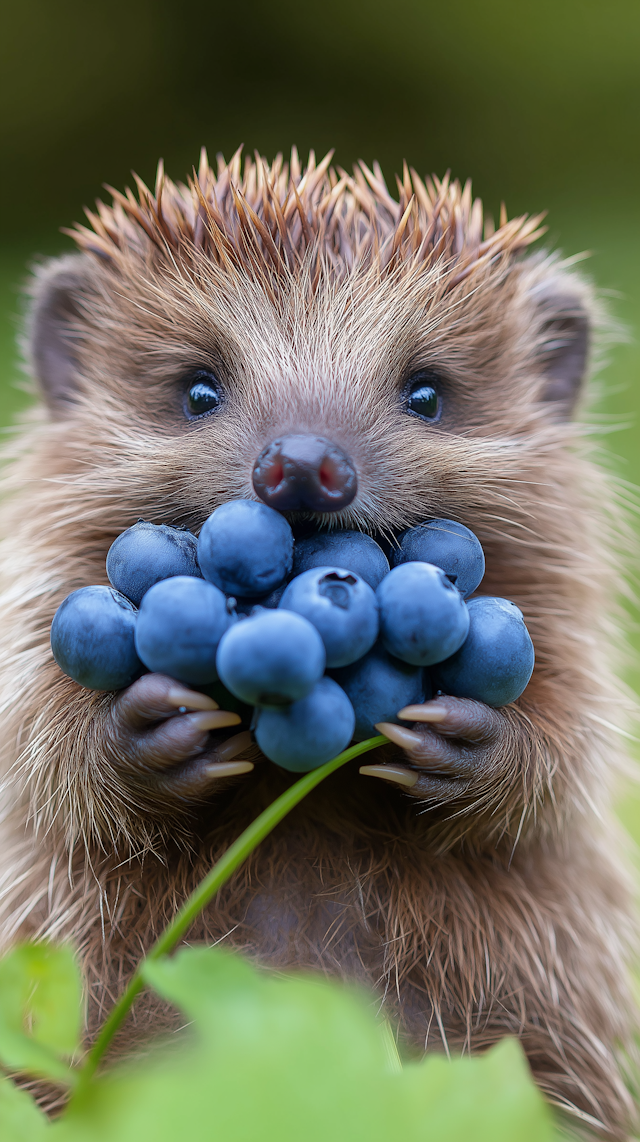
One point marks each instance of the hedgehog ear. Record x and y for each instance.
(563, 344)
(53, 328)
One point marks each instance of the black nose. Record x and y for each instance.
(304, 473)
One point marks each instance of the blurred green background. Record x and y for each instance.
(538, 102)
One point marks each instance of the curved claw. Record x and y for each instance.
(429, 712)
(399, 735)
(228, 768)
(183, 699)
(212, 719)
(232, 747)
(394, 773)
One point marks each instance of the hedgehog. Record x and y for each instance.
(471, 872)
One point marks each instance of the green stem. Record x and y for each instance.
(206, 890)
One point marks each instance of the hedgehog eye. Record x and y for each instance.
(421, 396)
(203, 394)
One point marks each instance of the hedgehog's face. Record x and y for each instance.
(302, 471)
(361, 398)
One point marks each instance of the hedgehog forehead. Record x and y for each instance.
(360, 325)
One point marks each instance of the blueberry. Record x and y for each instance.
(180, 624)
(379, 685)
(307, 733)
(496, 661)
(244, 606)
(423, 617)
(341, 606)
(271, 658)
(147, 553)
(351, 550)
(448, 545)
(245, 548)
(92, 639)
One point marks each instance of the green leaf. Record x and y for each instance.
(487, 1098)
(40, 1010)
(20, 1118)
(235, 1007)
(282, 1058)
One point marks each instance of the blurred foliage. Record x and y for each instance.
(263, 1057)
(525, 96)
(41, 1016)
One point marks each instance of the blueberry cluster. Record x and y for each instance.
(321, 637)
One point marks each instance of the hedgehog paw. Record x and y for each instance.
(452, 749)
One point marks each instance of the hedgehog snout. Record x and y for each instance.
(302, 472)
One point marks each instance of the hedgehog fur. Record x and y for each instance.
(506, 908)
